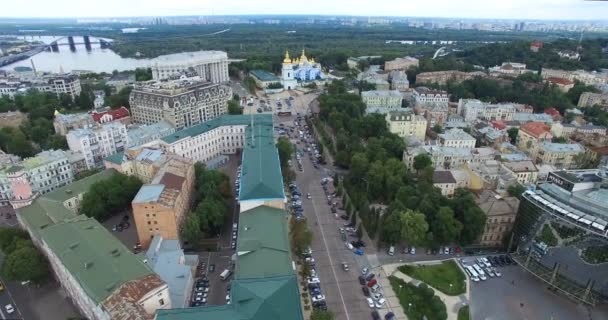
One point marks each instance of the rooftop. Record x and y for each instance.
(520, 166)
(560, 81)
(149, 193)
(562, 147)
(43, 158)
(381, 93)
(116, 114)
(456, 134)
(535, 129)
(443, 177)
(182, 57)
(264, 75)
(225, 120)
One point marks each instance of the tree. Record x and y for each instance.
(413, 227)
(234, 108)
(321, 315)
(422, 161)
(143, 74)
(516, 190)
(110, 196)
(9, 238)
(365, 86)
(191, 231)
(301, 237)
(446, 228)
(475, 220)
(438, 128)
(559, 140)
(285, 149)
(513, 132)
(26, 263)
(211, 212)
(250, 84)
(391, 228)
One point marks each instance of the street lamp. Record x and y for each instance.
(450, 287)
(409, 307)
(400, 286)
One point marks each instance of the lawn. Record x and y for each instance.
(439, 276)
(547, 236)
(418, 302)
(463, 313)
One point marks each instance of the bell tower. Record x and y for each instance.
(287, 73)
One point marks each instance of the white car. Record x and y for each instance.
(380, 303)
(496, 272)
(349, 246)
(446, 250)
(318, 298)
(364, 271)
(490, 272)
(370, 303)
(9, 308)
(313, 280)
(228, 297)
(413, 250)
(377, 296)
(308, 196)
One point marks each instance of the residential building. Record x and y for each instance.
(64, 84)
(389, 100)
(77, 160)
(120, 81)
(500, 217)
(423, 96)
(456, 138)
(406, 124)
(448, 157)
(120, 114)
(525, 171)
(398, 80)
(568, 54)
(182, 103)
(101, 276)
(143, 134)
(443, 77)
(488, 135)
(473, 109)
(531, 135)
(63, 123)
(510, 68)
(175, 268)
(562, 84)
(142, 162)
(159, 208)
(489, 175)
(560, 155)
(589, 99)
(535, 46)
(401, 63)
(264, 78)
(554, 113)
(586, 77)
(353, 62)
(568, 130)
(98, 142)
(524, 117)
(379, 83)
(211, 66)
(445, 181)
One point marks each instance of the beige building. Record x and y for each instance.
(400, 64)
(457, 138)
(406, 124)
(525, 171)
(399, 80)
(500, 213)
(159, 208)
(562, 84)
(389, 99)
(442, 77)
(559, 155)
(589, 99)
(445, 181)
(531, 135)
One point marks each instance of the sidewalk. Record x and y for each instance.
(452, 303)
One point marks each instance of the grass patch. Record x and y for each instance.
(418, 302)
(565, 232)
(547, 236)
(439, 276)
(463, 313)
(596, 254)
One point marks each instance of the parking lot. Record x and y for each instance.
(295, 101)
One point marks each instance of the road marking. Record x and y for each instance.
(331, 263)
(2, 313)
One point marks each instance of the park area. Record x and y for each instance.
(463, 313)
(445, 277)
(418, 302)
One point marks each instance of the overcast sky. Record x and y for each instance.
(503, 9)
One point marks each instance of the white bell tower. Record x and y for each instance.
(287, 74)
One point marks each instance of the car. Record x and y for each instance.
(451, 250)
(343, 237)
(344, 217)
(365, 291)
(371, 283)
(375, 287)
(318, 298)
(413, 250)
(375, 315)
(364, 271)
(370, 302)
(310, 261)
(497, 273)
(308, 196)
(349, 246)
(389, 316)
(502, 261)
(233, 245)
(9, 308)
(380, 303)
(202, 290)
(509, 260)
(377, 296)
(369, 277)
(312, 280)
(342, 230)
(446, 250)
(315, 290)
(333, 210)
(345, 266)
(490, 272)
(361, 280)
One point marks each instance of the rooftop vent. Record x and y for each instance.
(68, 191)
(74, 245)
(88, 265)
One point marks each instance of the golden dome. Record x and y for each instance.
(312, 60)
(286, 60)
(56, 113)
(303, 56)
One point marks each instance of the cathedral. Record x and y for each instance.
(300, 70)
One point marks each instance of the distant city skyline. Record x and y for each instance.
(475, 9)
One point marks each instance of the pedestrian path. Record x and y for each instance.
(452, 303)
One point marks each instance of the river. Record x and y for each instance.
(96, 60)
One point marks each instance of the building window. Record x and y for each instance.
(161, 302)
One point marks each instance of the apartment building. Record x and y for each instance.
(559, 155)
(143, 134)
(510, 68)
(586, 77)
(401, 63)
(406, 124)
(443, 77)
(500, 217)
(385, 99)
(444, 180)
(398, 80)
(182, 103)
(120, 114)
(448, 157)
(98, 142)
(531, 135)
(63, 84)
(525, 171)
(63, 123)
(160, 207)
(423, 96)
(589, 99)
(562, 84)
(473, 109)
(211, 66)
(456, 138)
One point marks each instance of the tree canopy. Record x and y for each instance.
(108, 197)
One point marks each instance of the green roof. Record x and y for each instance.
(261, 176)
(116, 158)
(264, 75)
(275, 298)
(263, 238)
(80, 186)
(225, 120)
(93, 256)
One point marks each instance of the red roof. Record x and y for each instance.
(116, 114)
(535, 129)
(537, 44)
(562, 81)
(552, 112)
(498, 124)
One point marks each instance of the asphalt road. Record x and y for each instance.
(6, 298)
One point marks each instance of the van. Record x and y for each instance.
(391, 251)
(225, 274)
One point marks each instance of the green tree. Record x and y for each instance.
(413, 227)
(234, 108)
(143, 74)
(391, 228)
(211, 212)
(321, 315)
(286, 150)
(446, 229)
(9, 238)
(516, 190)
(422, 161)
(559, 140)
(300, 236)
(475, 221)
(191, 232)
(250, 84)
(26, 263)
(513, 132)
(110, 196)
(438, 128)
(365, 86)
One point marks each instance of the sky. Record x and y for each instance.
(499, 9)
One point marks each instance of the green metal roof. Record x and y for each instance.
(264, 75)
(261, 176)
(275, 298)
(93, 256)
(225, 120)
(263, 246)
(79, 186)
(116, 158)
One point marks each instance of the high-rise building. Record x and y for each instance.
(211, 66)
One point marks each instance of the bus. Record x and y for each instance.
(472, 273)
(482, 275)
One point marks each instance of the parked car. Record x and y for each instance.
(369, 277)
(361, 280)
(389, 316)
(375, 315)
(365, 291)
(370, 302)
(372, 283)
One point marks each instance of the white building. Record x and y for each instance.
(525, 171)
(448, 157)
(457, 138)
(143, 134)
(182, 103)
(406, 124)
(510, 68)
(401, 63)
(399, 80)
(445, 181)
(472, 109)
(98, 142)
(211, 66)
(424, 96)
(387, 99)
